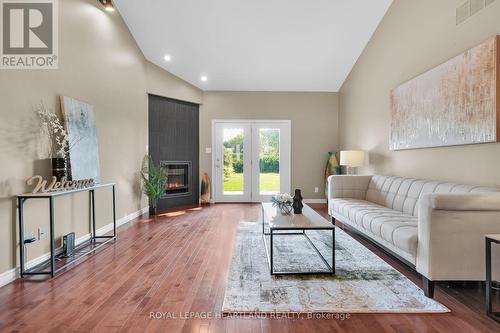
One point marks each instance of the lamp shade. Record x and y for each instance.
(352, 158)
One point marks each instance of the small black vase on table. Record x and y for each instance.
(297, 202)
(60, 168)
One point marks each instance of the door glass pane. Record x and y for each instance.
(269, 160)
(233, 161)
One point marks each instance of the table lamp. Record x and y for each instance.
(352, 159)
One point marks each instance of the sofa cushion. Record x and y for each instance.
(403, 194)
(394, 228)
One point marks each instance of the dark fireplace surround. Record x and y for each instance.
(174, 145)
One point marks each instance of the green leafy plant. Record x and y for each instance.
(153, 179)
(228, 164)
(238, 165)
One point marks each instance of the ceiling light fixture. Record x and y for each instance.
(108, 5)
(167, 57)
(203, 78)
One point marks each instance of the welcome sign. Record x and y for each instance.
(42, 186)
(29, 34)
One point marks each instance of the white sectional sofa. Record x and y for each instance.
(437, 228)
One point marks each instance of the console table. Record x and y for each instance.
(88, 247)
(490, 285)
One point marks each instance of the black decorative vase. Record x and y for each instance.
(59, 168)
(153, 210)
(297, 202)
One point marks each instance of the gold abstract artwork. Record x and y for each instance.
(452, 104)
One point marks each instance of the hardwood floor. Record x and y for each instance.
(179, 263)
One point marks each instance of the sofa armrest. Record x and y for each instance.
(466, 201)
(348, 186)
(451, 230)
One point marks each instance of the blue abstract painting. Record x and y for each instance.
(79, 120)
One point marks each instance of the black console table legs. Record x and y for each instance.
(20, 205)
(52, 240)
(94, 241)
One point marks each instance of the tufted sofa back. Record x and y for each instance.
(403, 194)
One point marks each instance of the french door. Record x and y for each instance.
(251, 160)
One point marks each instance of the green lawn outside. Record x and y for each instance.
(268, 182)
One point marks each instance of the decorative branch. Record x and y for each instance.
(60, 143)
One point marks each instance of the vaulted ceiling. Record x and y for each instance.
(255, 45)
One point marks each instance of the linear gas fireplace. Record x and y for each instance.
(178, 178)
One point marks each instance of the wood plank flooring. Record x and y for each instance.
(178, 264)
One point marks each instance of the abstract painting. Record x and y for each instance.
(79, 120)
(455, 103)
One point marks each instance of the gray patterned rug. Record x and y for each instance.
(363, 282)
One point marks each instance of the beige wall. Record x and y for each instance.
(314, 128)
(162, 83)
(101, 64)
(414, 37)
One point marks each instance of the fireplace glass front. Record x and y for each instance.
(178, 178)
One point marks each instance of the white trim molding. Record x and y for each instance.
(315, 201)
(13, 274)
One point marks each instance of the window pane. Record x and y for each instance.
(269, 161)
(233, 161)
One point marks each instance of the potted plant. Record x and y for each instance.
(153, 179)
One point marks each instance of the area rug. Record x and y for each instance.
(363, 282)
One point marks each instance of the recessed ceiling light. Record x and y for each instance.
(167, 57)
(108, 5)
(204, 78)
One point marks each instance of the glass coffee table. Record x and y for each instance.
(295, 224)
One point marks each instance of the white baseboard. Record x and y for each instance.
(318, 201)
(8, 276)
(212, 201)
(13, 274)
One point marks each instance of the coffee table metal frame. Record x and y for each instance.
(294, 231)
